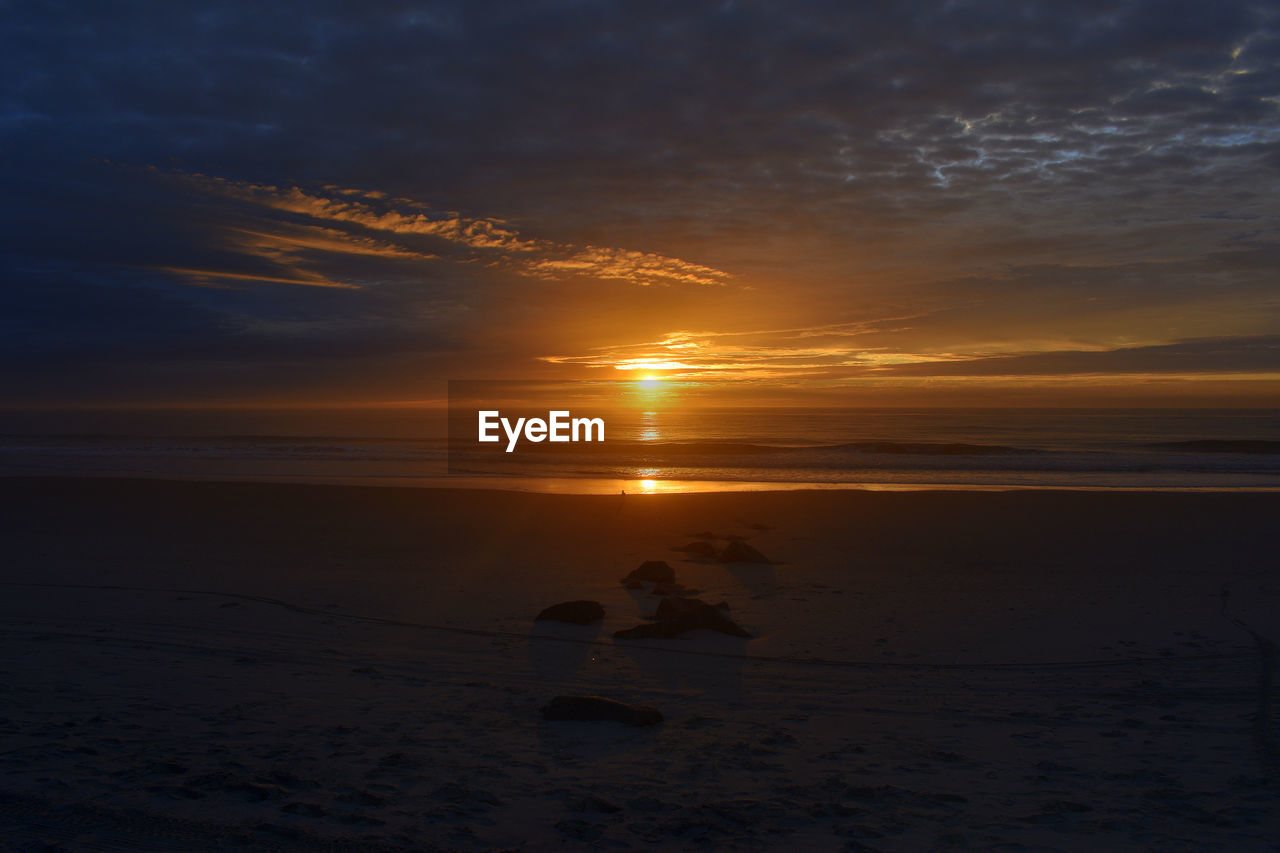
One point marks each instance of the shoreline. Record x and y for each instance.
(613, 486)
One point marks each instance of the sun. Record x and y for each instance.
(649, 382)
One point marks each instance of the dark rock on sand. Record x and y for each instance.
(700, 548)
(600, 708)
(677, 615)
(738, 551)
(577, 612)
(675, 608)
(654, 571)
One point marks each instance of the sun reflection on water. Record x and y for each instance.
(649, 427)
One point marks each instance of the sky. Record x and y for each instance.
(937, 203)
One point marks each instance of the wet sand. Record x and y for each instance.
(296, 667)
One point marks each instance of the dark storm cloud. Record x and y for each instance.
(983, 147)
(128, 329)
(710, 101)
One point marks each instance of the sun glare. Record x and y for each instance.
(650, 382)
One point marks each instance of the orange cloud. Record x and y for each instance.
(208, 277)
(492, 240)
(755, 353)
(286, 246)
(637, 267)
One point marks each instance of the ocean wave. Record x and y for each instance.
(1252, 446)
(931, 449)
(675, 449)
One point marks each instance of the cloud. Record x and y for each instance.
(489, 240)
(1013, 178)
(810, 350)
(286, 244)
(844, 355)
(357, 207)
(199, 276)
(288, 248)
(643, 268)
(1258, 354)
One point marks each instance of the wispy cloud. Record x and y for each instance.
(785, 353)
(289, 250)
(756, 353)
(211, 277)
(1242, 355)
(642, 268)
(350, 216)
(286, 245)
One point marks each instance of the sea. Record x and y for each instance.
(670, 449)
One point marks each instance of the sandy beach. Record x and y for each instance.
(221, 666)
